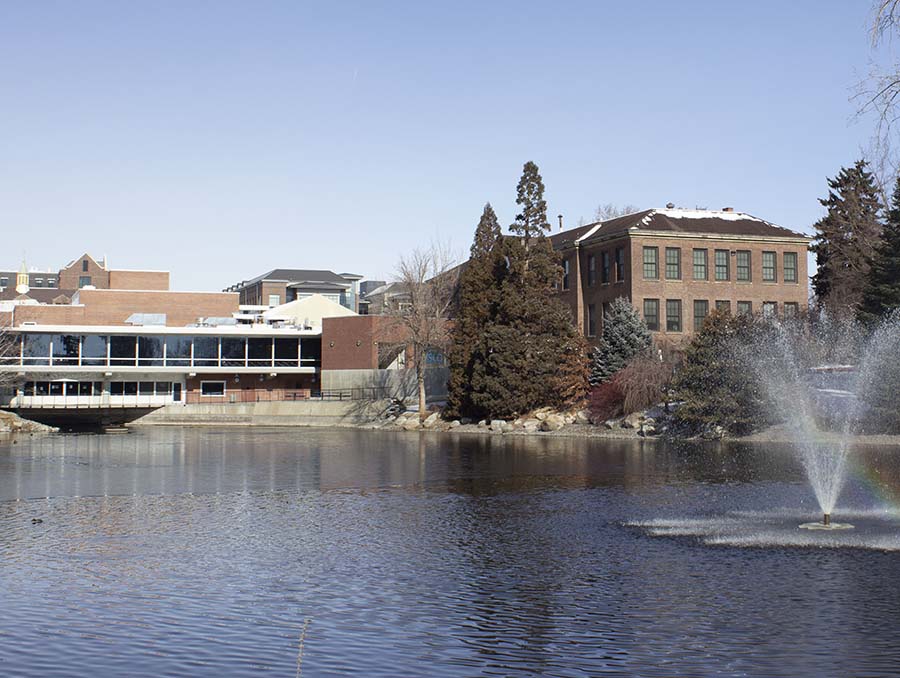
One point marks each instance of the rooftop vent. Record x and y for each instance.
(670, 205)
(728, 209)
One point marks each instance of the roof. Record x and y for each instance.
(296, 275)
(677, 220)
(43, 295)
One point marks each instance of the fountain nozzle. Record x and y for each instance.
(826, 519)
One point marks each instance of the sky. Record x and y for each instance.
(220, 139)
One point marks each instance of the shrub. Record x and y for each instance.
(607, 401)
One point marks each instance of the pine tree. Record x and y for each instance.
(533, 355)
(882, 292)
(845, 238)
(717, 384)
(624, 336)
(478, 291)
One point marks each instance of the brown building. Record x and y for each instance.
(284, 285)
(677, 265)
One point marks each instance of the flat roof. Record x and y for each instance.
(258, 330)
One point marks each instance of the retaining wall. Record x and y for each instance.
(299, 413)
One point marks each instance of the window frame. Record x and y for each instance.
(703, 316)
(652, 326)
(675, 264)
(747, 304)
(679, 316)
(704, 263)
(565, 275)
(717, 265)
(794, 268)
(738, 266)
(605, 268)
(592, 269)
(620, 264)
(203, 384)
(649, 249)
(591, 320)
(773, 256)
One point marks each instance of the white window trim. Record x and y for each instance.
(213, 395)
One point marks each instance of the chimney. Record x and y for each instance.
(559, 216)
(728, 209)
(670, 205)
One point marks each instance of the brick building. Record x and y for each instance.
(283, 285)
(677, 265)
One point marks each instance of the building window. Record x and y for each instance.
(673, 263)
(51, 282)
(592, 270)
(768, 267)
(701, 310)
(274, 300)
(651, 263)
(38, 282)
(790, 267)
(84, 281)
(722, 272)
(651, 314)
(673, 315)
(743, 266)
(212, 388)
(84, 266)
(565, 280)
(620, 264)
(700, 260)
(4, 282)
(723, 306)
(592, 322)
(604, 270)
(769, 309)
(744, 307)
(791, 310)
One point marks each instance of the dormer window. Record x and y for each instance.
(84, 265)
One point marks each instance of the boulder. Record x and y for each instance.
(553, 422)
(410, 424)
(507, 427)
(531, 425)
(497, 425)
(431, 420)
(633, 420)
(583, 417)
(465, 421)
(455, 423)
(647, 430)
(482, 423)
(541, 414)
(610, 423)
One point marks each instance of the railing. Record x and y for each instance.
(249, 395)
(47, 402)
(357, 393)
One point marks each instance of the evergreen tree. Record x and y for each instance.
(625, 335)
(718, 383)
(533, 355)
(882, 292)
(478, 291)
(845, 238)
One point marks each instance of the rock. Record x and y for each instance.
(531, 425)
(455, 423)
(482, 423)
(497, 425)
(647, 430)
(410, 424)
(465, 421)
(583, 417)
(553, 422)
(507, 427)
(713, 432)
(541, 414)
(518, 421)
(431, 420)
(610, 423)
(633, 420)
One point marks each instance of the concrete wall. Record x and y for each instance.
(299, 413)
(393, 383)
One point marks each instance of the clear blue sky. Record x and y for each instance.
(220, 139)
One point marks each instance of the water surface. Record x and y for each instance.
(173, 552)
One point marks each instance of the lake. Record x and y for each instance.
(238, 552)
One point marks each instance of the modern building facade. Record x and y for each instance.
(677, 265)
(282, 285)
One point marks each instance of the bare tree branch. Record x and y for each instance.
(430, 280)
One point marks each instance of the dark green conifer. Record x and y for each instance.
(533, 356)
(882, 292)
(845, 238)
(478, 292)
